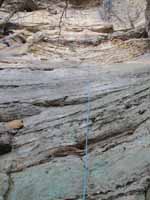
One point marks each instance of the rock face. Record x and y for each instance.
(21, 5)
(4, 185)
(147, 15)
(46, 73)
(46, 160)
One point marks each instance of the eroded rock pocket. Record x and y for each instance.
(5, 143)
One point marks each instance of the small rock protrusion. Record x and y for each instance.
(15, 124)
(141, 112)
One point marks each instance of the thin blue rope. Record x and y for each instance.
(85, 158)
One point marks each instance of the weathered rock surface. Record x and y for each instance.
(4, 185)
(46, 160)
(147, 16)
(44, 73)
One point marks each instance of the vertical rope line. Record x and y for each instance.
(85, 158)
(107, 9)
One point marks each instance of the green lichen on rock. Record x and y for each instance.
(60, 179)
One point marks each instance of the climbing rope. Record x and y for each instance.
(85, 158)
(107, 8)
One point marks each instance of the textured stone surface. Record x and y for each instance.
(4, 185)
(147, 15)
(49, 149)
(59, 179)
(43, 81)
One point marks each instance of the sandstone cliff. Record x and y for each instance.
(46, 60)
